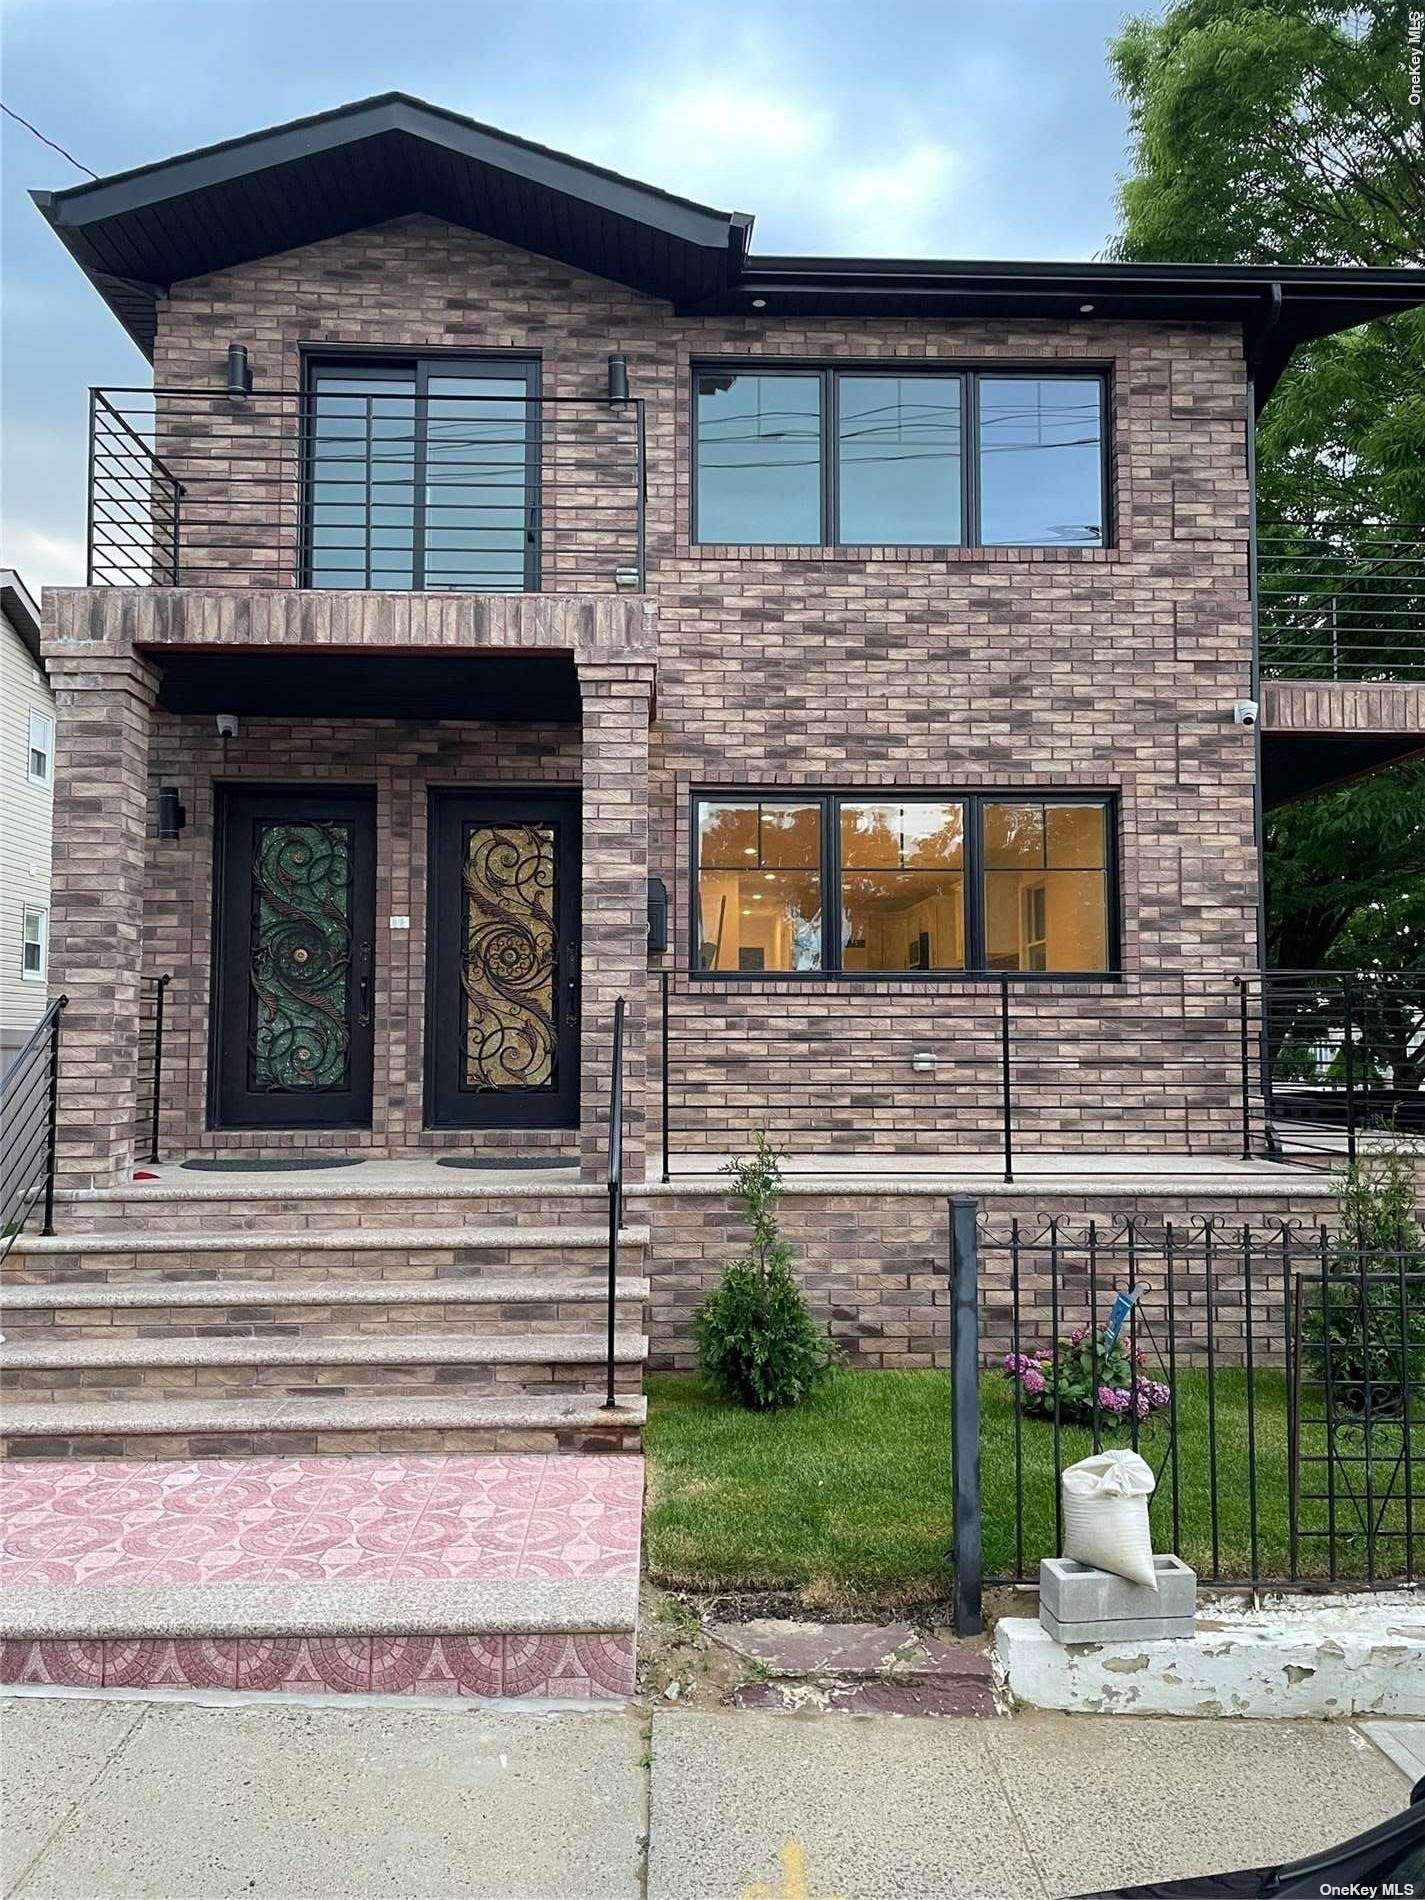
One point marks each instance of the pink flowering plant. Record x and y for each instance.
(1076, 1369)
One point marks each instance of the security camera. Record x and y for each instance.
(227, 725)
(1244, 713)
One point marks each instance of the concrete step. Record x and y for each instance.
(100, 1309)
(116, 1368)
(275, 1425)
(354, 1198)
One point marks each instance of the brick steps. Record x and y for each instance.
(278, 1426)
(270, 1205)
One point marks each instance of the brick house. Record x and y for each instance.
(504, 546)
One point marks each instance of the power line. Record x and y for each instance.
(11, 113)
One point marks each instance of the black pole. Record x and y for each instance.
(1005, 1103)
(1246, 1075)
(642, 522)
(610, 1402)
(53, 1132)
(615, 1185)
(89, 531)
(1349, 1055)
(664, 975)
(965, 1417)
(163, 982)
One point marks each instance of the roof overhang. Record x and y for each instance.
(22, 611)
(139, 232)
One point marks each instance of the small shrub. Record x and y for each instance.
(757, 1341)
(1077, 1368)
(1364, 1320)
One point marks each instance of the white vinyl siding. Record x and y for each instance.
(26, 807)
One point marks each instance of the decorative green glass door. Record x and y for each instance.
(293, 975)
(502, 1001)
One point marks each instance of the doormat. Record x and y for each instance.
(514, 1161)
(285, 1164)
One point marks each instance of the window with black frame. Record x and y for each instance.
(923, 458)
(885, 884)
(422, 473)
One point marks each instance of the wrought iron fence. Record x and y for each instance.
(153, 997)
(481, 493)
(1341, 603)
(1272, 1375)
(28, 1109)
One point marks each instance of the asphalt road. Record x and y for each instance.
(186, 1801)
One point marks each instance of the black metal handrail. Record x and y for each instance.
(405, 492)
(1341, 603)
(160, 991)
(29, 1109)
(906, 1073)
(615, 1186)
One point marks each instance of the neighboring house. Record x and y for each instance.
(26, 806)
(505, 544)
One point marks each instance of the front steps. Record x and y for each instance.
(301, 1319)
(422, 1576)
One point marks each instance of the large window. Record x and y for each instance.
(887, 884)
(822, 457)
(421, 474)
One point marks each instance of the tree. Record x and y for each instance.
(1281, 131)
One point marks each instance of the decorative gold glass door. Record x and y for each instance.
(502, 997)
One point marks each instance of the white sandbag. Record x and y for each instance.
(1106, 1515)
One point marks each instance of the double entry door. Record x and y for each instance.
(297, 1012)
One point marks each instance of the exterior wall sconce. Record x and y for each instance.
(171, 815)
(239, 373)
(657, 917)
(618, 379)
(923, 1062)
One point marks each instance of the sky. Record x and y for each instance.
(933, 128)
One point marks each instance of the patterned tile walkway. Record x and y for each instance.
(308, 1521)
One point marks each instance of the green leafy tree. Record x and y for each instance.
(1281, 131)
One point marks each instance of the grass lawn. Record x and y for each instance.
(847, 1497)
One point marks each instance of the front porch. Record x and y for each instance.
(393, 739)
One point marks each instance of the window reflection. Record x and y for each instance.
(1041, 461)
(759, 458)
(898, 449)
(1045, 887)
(759, 886)
(902, 886)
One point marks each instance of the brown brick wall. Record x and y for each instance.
(1108, 669)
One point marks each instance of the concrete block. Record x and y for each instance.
(1078, 1604)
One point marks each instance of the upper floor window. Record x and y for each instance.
(421, 473)
(34, 943)
(40, 768)
(829, 457)
(893, 883)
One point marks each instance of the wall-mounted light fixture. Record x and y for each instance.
(618, 379)
(239, 373)
(923, 1062)
(657, 917)
(171, 815)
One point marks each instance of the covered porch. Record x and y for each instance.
(389, 852)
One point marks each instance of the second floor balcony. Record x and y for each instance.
(1342, 603)
(443, 477)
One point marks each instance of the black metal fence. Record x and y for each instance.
(1273, 1376)
(153, 1000)
(482, 493)
(1342, 603)
(28, 1109)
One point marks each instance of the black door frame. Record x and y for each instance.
(230, 1104)
(447, 1104)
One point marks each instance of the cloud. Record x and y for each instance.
(42, 559)
(900, 206)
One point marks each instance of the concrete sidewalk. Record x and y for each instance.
(108, 1799)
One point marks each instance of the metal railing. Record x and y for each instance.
(1272, 1376)
(29, 1108)
(1342, 1062)
(153, 993)
(615, 1188)
(923, 1078)
(442, 493)
(1342, 603)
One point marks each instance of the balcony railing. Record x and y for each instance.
(1342, 604)
(487, 493)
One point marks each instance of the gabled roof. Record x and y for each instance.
(138, 232)
(18, 605)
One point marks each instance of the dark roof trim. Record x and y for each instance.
(138, 232)
(22, 611)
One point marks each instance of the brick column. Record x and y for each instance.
(616, 700)
(103, 701)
